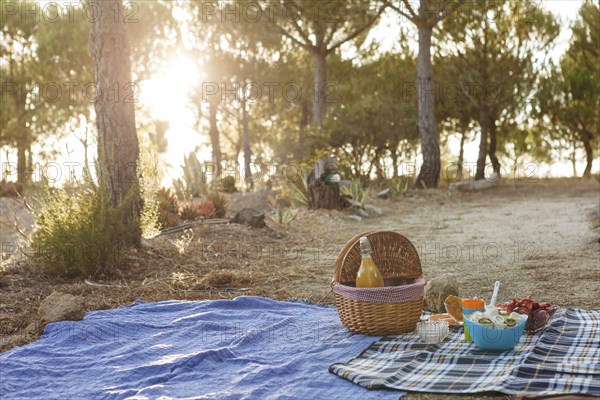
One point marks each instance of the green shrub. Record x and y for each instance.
(219, 202)
(355, 191)
(193, 183)
(149, 187)
(81, 234)
(284, 216)
(189, 213)
(228, 184)
(168, 208)
(400, 185)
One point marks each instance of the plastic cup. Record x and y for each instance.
(469, 307)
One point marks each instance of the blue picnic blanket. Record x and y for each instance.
(562, 359)
(246, 348)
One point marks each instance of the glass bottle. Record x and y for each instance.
(368, 275)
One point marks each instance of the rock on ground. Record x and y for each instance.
(436, 291)
(385, 193)
(373, 210)
(248, 216)
(474, 186)
(362, 213)
(61, 307)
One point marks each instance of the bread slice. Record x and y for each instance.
(453, 306)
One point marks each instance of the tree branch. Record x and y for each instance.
(285, 33)
(410, 9)
(298, 28)
(292, 37)
(329, 37)
(412, 17)
(356, 33)
(447, 9)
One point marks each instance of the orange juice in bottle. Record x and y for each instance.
(368, 275)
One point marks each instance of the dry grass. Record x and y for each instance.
(280, 262)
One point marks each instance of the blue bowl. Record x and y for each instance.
(495, 339)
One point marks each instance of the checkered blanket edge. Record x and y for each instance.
(562, 359)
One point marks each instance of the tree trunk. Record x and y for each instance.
(484, 111)
(22, 140)
(321, 194)
(379, 168)
(246, 140)
(324, 196)
(574, 159)
(493, 145)
(304, 122)
(395, 162)
(85, 144)
(430, 143)
(118, 148)
(589, 154)
(483, 141)
(22, 172)
(320, 87)
(213, 132)
(461, 157)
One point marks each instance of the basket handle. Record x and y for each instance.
(342, 255)
(324, 297)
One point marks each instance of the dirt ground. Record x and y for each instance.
(538, 238)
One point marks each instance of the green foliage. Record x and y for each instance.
(295, 192)
(194, 179)
(568, 99)
(34, 53)
(81, 234)
(375, 115)
(400, 185)
(219, 202)
(283, 216)
(189, 212)
(168, 208)
(355, 191)
(485, 68)
(228, 184)
(149, 187)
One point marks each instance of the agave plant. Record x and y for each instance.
(189, 213)
(284, 216)
(400, 185)
(297, 192)
(355, 191)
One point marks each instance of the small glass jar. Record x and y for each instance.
(432, 331)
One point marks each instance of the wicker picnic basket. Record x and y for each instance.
(393, 309)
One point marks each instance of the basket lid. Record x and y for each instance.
(393, 253)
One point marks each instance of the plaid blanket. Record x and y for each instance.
(563, 359)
